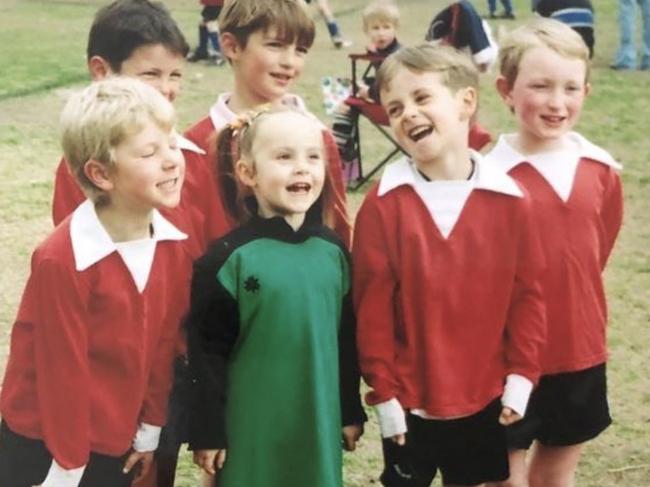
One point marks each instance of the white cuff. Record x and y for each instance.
(392, 420)
(57, 476)
(146, 438)
(516, 393)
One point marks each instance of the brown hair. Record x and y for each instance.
(541, 32)
(456, 68)
(234, 142)
(242, 18)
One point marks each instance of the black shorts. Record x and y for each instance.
(565, 409)
(211, 12)
(25, 462)
(467, 451)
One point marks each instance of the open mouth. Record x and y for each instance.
(284, 78)
(168, 185)
(420, 132)
(553, 119)
(299, 188)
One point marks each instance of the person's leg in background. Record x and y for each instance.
(626, 54)
(645, 16)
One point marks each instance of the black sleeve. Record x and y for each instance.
(349, 375)
(213, 326)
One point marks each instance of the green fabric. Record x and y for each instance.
(283, 412)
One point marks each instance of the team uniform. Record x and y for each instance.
(577, 199)
(91, 353)
(203, 134)
(273, 355)
(449, 307)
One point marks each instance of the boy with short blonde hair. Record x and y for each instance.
(446, 277)
(577, 200)
(86, 386)
(380, 11)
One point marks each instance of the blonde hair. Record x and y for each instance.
(235, 141)
(101, 117)
(380, 10)
(242, 18)
(455, 67)
(541, 32)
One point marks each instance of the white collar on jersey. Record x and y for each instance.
(186, 144)
(403, 172)
(221, 114)
(445, 200)
(558, 168)
(91, 242)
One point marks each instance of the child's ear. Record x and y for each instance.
(245, 173)
(469, 101)
(230, 46)
(98, 174)
(587, 89)
(504, 89)
(99, 68)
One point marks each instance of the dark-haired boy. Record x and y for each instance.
(134, 38)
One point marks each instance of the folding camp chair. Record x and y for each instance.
(374, 113)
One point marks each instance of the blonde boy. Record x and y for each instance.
(266, 43)
(446, 275)
(89, 372)
(576, 194)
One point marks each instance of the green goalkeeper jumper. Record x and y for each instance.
(273, 357)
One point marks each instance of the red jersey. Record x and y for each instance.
(93, 342)
(446, 290)
(578, 204)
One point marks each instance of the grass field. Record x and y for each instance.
(42, 45)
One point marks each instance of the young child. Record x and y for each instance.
(380, 23)
(209, 47)
(576, 195)
(134, 38)
(86, 386)
(446, 283)
(272, 346)
(266, 43)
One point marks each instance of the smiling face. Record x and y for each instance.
(546, 97)
(429, 121)
(157, 66)
(287, 171)
(381, 33)
(266, 67)
(148, 171)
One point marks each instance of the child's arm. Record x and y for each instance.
(67, 194)
(525, 332)
(611, 215)
(352, 414)
(375, 290)
(213, 327)
(55, 303)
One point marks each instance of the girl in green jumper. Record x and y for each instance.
(271, 329)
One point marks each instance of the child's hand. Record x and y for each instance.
(399, 439)
(351, 435)
(144, 457)
(371, 47)
(508, 416)
(209, 459)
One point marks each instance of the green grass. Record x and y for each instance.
(42, 46)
